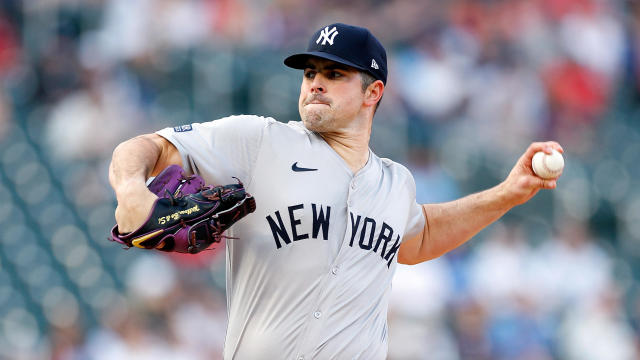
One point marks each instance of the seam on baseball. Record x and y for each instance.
(546, 167)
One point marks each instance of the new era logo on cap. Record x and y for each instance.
(345, 44)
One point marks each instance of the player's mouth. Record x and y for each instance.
(317, 100)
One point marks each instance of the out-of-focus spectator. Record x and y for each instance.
(597, 329)
(584, 30)
(569, 269)
(431, 82)
(419, 300)
(517, 331)
(469, 320)
(433, 183)
(499, 267)
(86, 122)
(199, 321)
(58, 71)
(128, 334)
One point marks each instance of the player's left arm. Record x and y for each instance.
(449, 225)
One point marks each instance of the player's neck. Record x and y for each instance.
(353, 149)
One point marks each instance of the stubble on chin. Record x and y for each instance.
(314, 120)
(315, 117)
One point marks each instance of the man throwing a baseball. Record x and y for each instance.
(309, 272)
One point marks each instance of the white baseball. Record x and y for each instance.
(547, 166)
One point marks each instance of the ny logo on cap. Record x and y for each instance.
(327, 35)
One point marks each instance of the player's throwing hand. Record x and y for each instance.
(522, 183)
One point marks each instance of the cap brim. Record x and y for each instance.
(299, 61)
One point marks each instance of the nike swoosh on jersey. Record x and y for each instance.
(295, 167)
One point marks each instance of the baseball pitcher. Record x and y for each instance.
(320, 221)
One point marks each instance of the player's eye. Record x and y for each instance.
(334, 75)
(309, 74)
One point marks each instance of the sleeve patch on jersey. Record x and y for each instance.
(182, 128)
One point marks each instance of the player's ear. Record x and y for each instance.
(374, 92)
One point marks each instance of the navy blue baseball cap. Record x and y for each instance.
(346, 44)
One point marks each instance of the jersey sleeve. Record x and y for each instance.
(221, 149)
(416, 219)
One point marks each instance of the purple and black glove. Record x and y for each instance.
(188, 216)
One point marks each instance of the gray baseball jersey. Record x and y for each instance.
(310, 273)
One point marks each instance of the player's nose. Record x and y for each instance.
(317, 85)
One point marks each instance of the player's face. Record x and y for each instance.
(330, 95)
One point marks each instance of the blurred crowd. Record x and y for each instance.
(471, 84)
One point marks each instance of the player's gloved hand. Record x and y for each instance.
(188, 216)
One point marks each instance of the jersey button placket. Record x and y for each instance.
(317, 314)
(352, 189)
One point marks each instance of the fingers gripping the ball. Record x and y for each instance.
(546, 147)
(529, 183)
(548, 183)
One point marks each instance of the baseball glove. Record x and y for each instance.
(188, 216)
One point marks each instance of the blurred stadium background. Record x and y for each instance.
(471, 84)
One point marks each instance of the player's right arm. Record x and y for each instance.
(132, 163)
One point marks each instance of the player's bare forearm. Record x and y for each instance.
(449, 225)
(133, 161)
